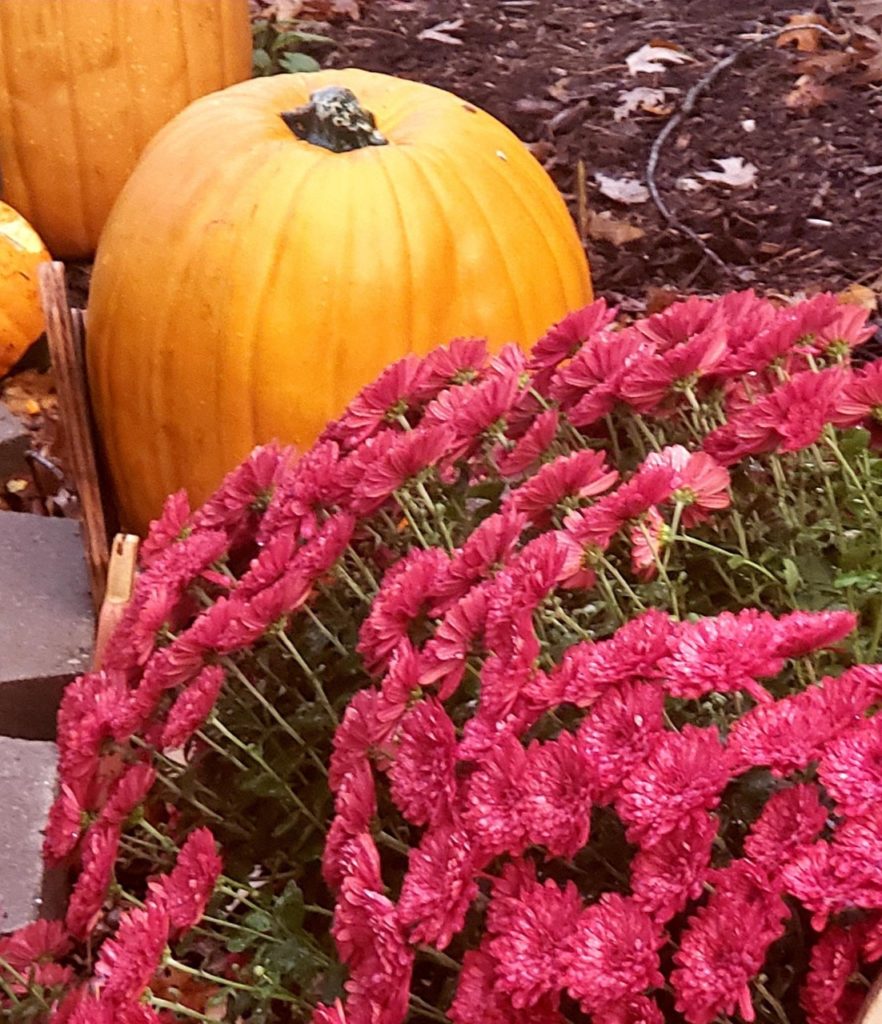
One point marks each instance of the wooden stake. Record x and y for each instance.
(120, 584)
(65, 333)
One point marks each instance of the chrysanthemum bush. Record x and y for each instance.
(542, 689)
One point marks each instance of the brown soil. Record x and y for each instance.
(554, 71)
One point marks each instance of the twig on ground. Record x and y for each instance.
(677, 119)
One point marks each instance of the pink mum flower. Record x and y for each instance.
(558, 788)
(590, 386)
(368, 725)
(304, 494)
(716, 961)
(478, 1001)
(851, 768)
(90, 890)
(684, 772)
(530, 924)
(700, 483)
(632, 654)
(184, 893)
(444, 656)
(407, 458)
(492, 799)
(562, 341)
(167, 529)
(192, 707)
(669, 873)
(612, 954)
(355, 804)
(828, 995)
(722, 654)
(651, 381)
(788, 824)
(532, 446)
(828, 878)
(128, 961)
(379, 404)
(860, 403)
(422, 777)
(562, 484)
(788, 419)
(439, 886)
(460, 362)
(407, 589)
(790, 733)
(800, 633)
(33, 943)
(63, 827)
(128, 793)
(487, 549)
(649, 536)
(618, 734)
(244, 493)
(371, 941)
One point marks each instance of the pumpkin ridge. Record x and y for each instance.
(494, 241)
(85, 206)
(518, 197)
(418, 165)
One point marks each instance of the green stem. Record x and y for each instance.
(259, 760)
(310, 675)
(184, 1011)
(726, 554)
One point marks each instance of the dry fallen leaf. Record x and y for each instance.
(440, 33)
(650, 101)
(859, 295)
(734, 171)
(651, 60)
(283, 10)
(869, 11)
(808, 94)
(605, 228)
(807, 38)
(623, 190)
(687, 184)
(827, 64)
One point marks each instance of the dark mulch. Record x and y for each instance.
(553, 71)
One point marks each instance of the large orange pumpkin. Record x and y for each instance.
(250, 281)
(21, 316)
(85, 84)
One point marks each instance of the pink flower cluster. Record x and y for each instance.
(127, 961)
(487, 792)
(496, 750)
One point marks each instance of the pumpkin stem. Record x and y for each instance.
(335, 120)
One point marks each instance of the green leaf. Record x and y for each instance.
(289, 907)
(297, 62)
(858, 580)
(792, 579)
(259, 921)
(239, 942)
(261, 60)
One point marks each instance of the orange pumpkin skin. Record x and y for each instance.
(85, 84)
(249, 283)
(21, 316)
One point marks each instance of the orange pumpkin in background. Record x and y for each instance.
(21, 316)
(84, 86)
(270, 256)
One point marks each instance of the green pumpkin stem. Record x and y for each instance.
(335, 120)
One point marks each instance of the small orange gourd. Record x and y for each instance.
(21, 316)
(270, 255)
(85, 84)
